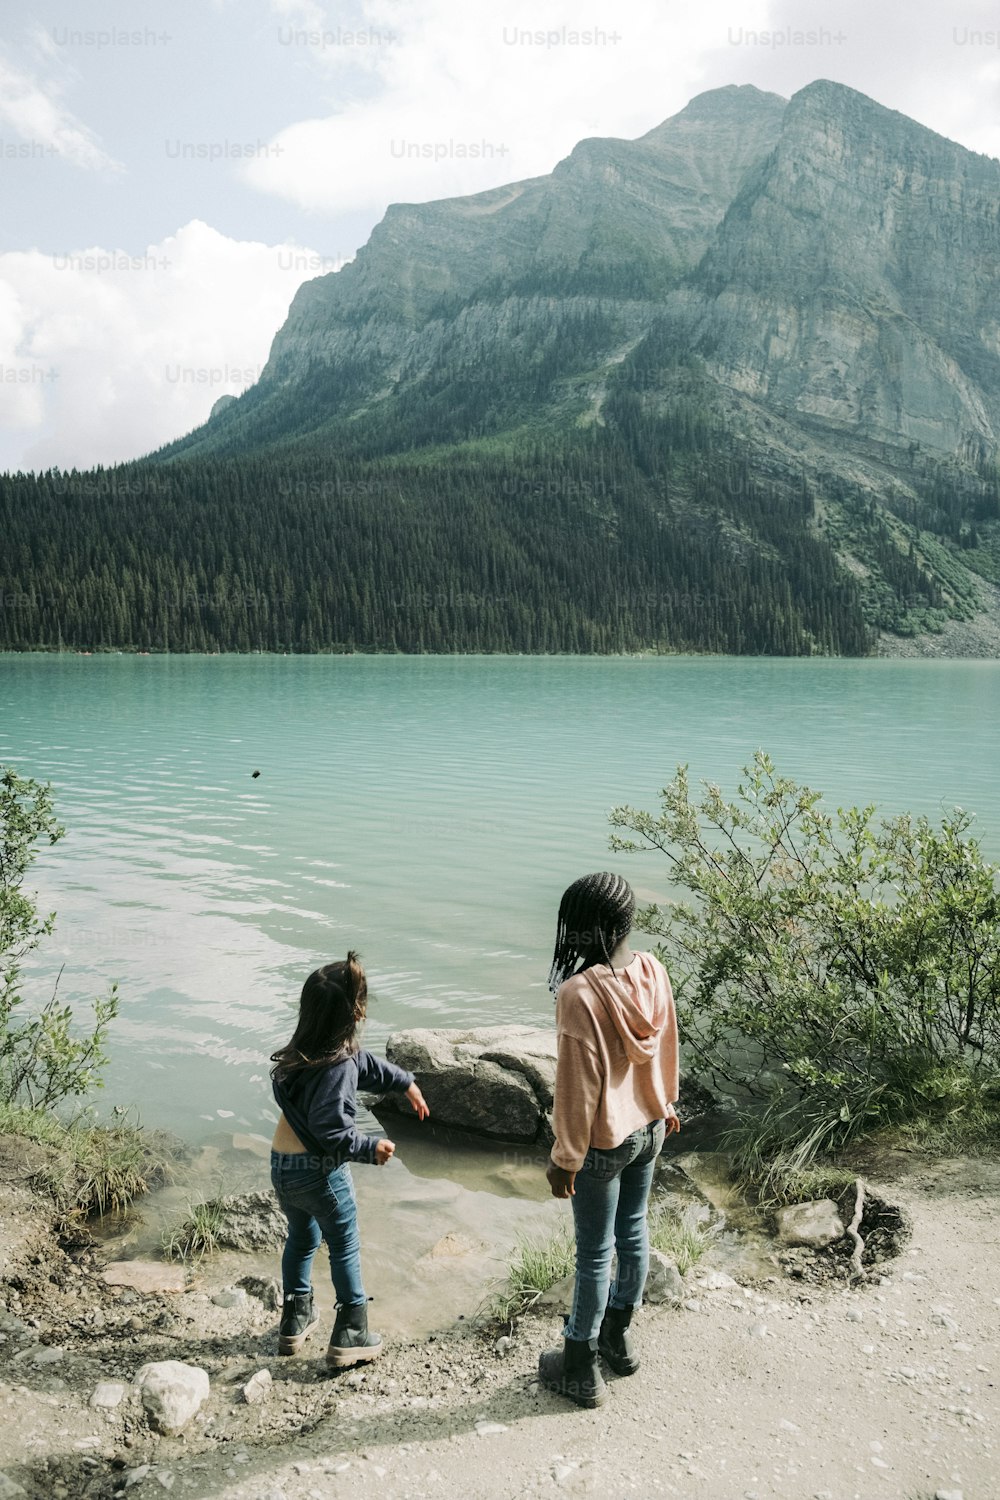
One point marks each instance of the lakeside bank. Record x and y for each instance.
(772, 1390)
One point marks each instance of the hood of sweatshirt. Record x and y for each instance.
(635, 1005)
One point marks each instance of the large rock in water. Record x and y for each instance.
(498, 1081)
(494, 1081)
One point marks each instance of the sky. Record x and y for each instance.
(170, 173)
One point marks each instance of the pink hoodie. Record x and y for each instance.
(617, 1066)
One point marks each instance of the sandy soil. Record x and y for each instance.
(770, 1390)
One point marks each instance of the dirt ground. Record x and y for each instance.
(779, 1390)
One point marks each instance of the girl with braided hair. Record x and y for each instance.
(616, 1085)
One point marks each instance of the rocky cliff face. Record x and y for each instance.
(831, 260)
(628, 215)
(855, 279)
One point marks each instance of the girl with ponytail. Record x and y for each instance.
(315, 1080)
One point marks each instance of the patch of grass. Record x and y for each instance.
(676, 1237)
(535, 1266)
(90, 1168)
(197, 1235)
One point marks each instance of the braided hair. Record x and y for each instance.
(595, 914)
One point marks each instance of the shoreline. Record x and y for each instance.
(888, 649)
(879, 1391)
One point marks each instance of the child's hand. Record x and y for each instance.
(561, 1181)
(418, 1101)
(383, 1151)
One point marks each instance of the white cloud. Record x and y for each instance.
(36, 114)
(104, 357)
(466, 99)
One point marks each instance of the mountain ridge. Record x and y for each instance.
(731, 386)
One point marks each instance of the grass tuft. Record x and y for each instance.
(676, 1237)
(197, 1235)
(536, 1266)
(91, 1169)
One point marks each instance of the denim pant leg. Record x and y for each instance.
(319, 1204)
(595, 1202)
(304, 1239)
(338, 1222)
(631, 1225)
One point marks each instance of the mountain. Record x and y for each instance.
(732, 386)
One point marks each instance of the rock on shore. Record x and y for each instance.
(497, 1081)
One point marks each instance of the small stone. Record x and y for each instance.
(258, 1388)
(489, 1429)
(717, 1281)
(691, 1304)
(814, 1225)
(47, 1354)
(761, 1331)
(172, 1392)
(165, 1478)
(108, 1394)
(503, 1346)
(232, 1297)
(789, 1426)
(855, 1315)
(944, 1319)
(948, 1495)
(10, 1489)
(136, 1476)
(664, 1282)
(908, 1372)
(879, 1463)
(355, 1381)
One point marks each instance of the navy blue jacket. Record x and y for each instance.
(320, 1104)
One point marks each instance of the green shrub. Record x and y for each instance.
(42, 1060)
(836, 973)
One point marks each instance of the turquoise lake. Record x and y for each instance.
(427, 811)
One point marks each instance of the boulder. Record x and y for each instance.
(814, 1225)
(498, 1081)
(494, 1081)
(172, 1393)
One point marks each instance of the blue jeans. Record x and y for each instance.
(611, 1193)
(319, 1205)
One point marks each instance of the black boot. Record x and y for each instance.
(298, 1319)
(615, 1343)
(350, 1341)
(573, 1371)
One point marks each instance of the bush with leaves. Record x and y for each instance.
(835, 970)
(42, 1058)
